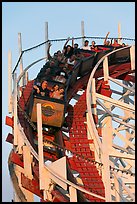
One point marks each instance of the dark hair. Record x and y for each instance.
(59, 51)
(55, 85)
(43, 81)
(68, 45)
(86, 41)
(94, 41)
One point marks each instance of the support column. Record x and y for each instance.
(21, 61)
(119, 34)
(132, 57)
(15, 142)
(40, 146)
(9, 82)
(118, 189)
(73, 194)
(106, 141)
(46, 38)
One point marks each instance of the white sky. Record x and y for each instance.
(64, 20)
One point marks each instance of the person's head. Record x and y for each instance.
(93, 43)
(47, 71)
(68, 48)
(55, 54)
(86, 42)
(76, 45)
(108, 42)
(115, 41)
(52, 63)
(44, 84)
(55, 87)
(73, 57)
(60, 57)
(59, 52)
(61, 90)
(123, 44)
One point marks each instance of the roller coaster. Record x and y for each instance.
(82, 148)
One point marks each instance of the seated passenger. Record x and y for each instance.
(115, 44)
(42, 90)
(60, 78)
(58, 94)
(72, 60)
(96, 49)
(53, 58)
(50, 64)
(93, 44)
(76, 46)
(86, 46)
(47, 74)
(123, 45)
(107, 42)
(54, 89)
(61, 75)
(68, 49)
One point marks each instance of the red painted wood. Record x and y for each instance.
(16, 159)
(31, 185)
(9, 121)
(58, 197)
(80, 146)
(10, 138)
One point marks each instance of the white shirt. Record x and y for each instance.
(86, 47)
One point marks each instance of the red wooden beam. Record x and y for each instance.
(15, 158)
(10, 138)
(9, 121)
(31, 185)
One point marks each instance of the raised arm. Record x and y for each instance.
(48, 51)
(36, 88)
(66, 43)
(106, 38)
(73, 42)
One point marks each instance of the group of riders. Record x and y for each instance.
(60, 65)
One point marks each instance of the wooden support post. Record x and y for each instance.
(9, 82)
(119, 34)
(27, 158)
(132, 57)
(46, 38)
(73, 194)
(118, 190)
(93, 102)
(29, 197)
(20, 141)
(105, 161)
(44, 176)
(26, 77)
(40, 146)
(105, 69)
(106, 141)
(15, 142)
(21, 61)
(82, 32)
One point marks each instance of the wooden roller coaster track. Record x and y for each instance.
(81, 161)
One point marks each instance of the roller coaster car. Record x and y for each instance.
(52, 109)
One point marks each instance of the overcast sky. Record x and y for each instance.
(64, 20)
